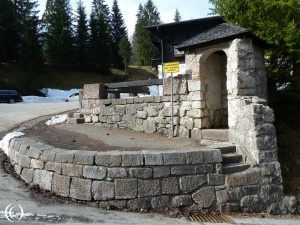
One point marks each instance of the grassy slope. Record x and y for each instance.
(12, 77)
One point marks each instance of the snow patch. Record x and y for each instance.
(52, 95)
(4, 143)
(57, 119)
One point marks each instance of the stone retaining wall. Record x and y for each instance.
(191, 179)
(153, 114)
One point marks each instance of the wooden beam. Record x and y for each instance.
(126, 91)
(137, 83)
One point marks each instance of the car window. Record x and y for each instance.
(8, 92)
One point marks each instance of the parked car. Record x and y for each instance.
(73, 98)
(10, 96)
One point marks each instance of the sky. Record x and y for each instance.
(189, 9)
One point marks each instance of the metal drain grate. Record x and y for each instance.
(208, 217)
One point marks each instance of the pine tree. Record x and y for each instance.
(9, 35)
(118, 31)
(177, 16)
(30, 45)
(125, 51)
(81, 37)
(19, 33)
(134, 57)
(100, 40)
(146, 16)
(57, 21)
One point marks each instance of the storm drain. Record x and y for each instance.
(208, 218)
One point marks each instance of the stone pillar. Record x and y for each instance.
(240, 76)
(192, 65)
(94, 91)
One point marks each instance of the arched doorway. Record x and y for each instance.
(215, 95)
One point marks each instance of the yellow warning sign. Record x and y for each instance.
(172, 67)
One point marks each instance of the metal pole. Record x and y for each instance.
(172, 107)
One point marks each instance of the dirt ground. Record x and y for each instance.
(99, 138)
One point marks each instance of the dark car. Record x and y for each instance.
(10, 96)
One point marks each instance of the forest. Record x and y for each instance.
(67, 40)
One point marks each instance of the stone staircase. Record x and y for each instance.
(76, 118)
(214, 134)
(232, 162)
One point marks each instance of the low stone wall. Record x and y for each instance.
(190, 179)
(153, 114)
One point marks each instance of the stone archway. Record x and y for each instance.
(213, 69)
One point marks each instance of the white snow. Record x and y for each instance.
(154, 90)
(56, 95)
(53, 95)
(57, 119)
(4, 143)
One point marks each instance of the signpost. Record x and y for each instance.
(171, 67)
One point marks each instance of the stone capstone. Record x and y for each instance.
(94, 91)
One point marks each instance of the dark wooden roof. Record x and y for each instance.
(176, 33)
(220, 33)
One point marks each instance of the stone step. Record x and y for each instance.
(227, 149)
(231, 158)
(234, 168)
(78, 115)
(214, 134)
(75, 120)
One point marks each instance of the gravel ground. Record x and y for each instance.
(100, 138)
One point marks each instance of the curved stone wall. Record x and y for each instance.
(157, 180)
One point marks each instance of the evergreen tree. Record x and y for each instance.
(9, 35)
(99, 7)
(134, 57)
(57, 21)
(118, 32)
(125, 51)
(30, 45)
(278, 23)
(146, 16)
(81, 37)
(100, 40)
(19, 33)
(177, 16)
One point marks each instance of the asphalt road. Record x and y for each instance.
(13, 114)
(39, 210)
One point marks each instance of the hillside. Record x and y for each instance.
(287, 122)
(13, 77)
